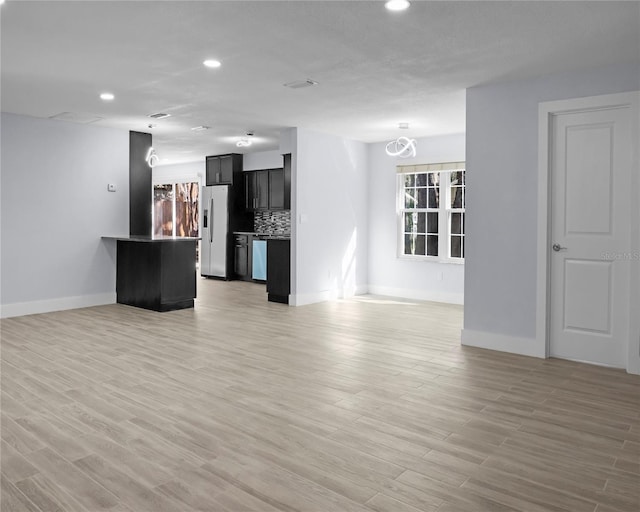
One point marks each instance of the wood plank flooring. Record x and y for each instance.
(359, 405)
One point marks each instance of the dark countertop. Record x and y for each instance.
(264, 236)
(140, 238)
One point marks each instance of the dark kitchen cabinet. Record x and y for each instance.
(267, 190)
(256, 186)
(276, 189)
(278, 270)
(223, 169)
(156, 274)
(287, 181)
(242, 256)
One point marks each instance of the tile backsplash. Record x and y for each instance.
(272, 222)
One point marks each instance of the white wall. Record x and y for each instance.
(55, 208)
(329, 217)
(502, 160)
(179, 173)
(262, 160)
(388, 274)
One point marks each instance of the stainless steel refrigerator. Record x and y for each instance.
(214, 229)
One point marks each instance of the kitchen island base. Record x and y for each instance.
(156, 274)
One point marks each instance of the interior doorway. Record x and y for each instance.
(589, 238)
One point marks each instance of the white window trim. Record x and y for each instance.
(444, 235)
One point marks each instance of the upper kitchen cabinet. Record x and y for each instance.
(222, 169)
(256, 186)
(269, 189)
(276, 189)
(287, 181)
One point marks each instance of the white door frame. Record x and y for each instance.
(545, 113)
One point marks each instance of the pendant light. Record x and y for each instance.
(402, 147)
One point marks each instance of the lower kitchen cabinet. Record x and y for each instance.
(156, 274)
(242, 256)
(278, 270)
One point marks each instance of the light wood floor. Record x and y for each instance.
(359, 405)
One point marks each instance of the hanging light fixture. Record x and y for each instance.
(245, 142)
(402, 147)
(152, 159)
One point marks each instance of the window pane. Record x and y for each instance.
(409, 180)
(163, 209)
(456, 246)
(410, 222)
(186, 220)
(422, 198)
(434, 179)
(432, 222)
(421, 179)
(456, 197)
(434, 197)
(456, 223)
(421, 222)
(432, 245)
(414, 244)
(410, 198)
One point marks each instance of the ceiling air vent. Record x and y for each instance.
(300, 84)
(159, 115)
(76, 117)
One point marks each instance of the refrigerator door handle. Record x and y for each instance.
(211, 223)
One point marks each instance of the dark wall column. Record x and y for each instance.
(140, 200)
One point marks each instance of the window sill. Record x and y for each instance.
(431, 259)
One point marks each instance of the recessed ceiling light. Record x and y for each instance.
(106, 96)
(397, 5)
(212, 63)
(159, 115)
(199, 128)
(403, 126)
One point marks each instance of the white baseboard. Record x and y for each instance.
(304, 299)
(428, 295)
(512, 344)
(60, 304)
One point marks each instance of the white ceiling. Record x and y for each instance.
(375, 68)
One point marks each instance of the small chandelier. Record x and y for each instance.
(152, 159)
(245, 142)
(402, 147)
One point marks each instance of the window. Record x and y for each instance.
(431, 211)
(175, 209)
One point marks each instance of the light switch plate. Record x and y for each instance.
(111, 187)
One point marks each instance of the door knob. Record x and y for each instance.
(557, 247)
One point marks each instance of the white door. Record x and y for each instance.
(590, 177)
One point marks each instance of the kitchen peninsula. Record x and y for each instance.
(152, 272)
(157, 273)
